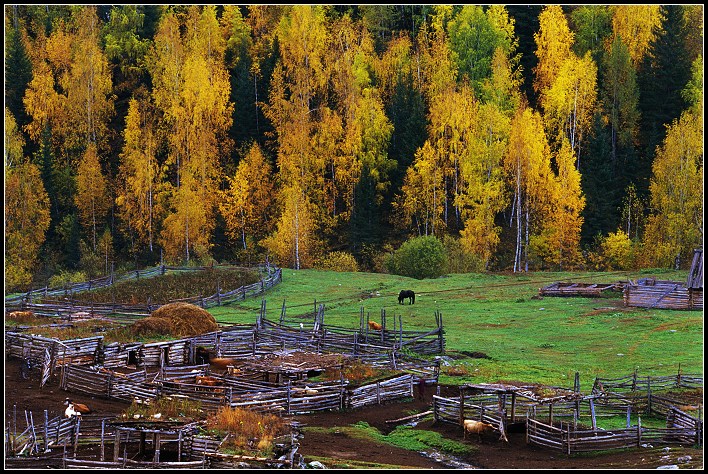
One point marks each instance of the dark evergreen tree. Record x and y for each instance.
(408, 115)
(18, 73)
(364, 226)
(526, 24)
(599, 183)
(664, 73)
(249, 123)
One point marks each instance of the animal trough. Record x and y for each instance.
(577, 289)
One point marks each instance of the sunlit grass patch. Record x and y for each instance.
(404, 437)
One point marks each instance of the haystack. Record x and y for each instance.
(177, 319)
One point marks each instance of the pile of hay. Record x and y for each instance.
(176, 319)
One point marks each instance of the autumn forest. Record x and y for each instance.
(327, 136)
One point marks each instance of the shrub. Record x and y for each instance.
(458, 259)
(419, 257)
(616, 251)
(338, 262)
(247, 428)
(65, 278)
(373, 259)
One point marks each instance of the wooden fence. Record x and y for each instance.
(637, 383)
(233, 391)
(380, 392)
(570, 441)
(108, 384)
(64, 305)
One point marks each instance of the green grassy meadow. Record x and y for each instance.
(530, 340)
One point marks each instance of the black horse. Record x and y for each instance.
(406, 294)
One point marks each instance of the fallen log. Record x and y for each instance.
(411, 417)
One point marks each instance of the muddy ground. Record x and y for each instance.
(490, 453)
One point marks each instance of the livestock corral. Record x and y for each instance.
(278, 369)
(153, 404)
(272, 369)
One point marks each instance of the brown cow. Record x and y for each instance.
(374, 325)
(478, 427)
(75, 409)
(222, 362)
(207, 380)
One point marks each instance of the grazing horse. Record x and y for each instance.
(406, 294)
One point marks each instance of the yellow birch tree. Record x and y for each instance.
(635, 24)
(92, 199)
(191, 88)
(553, 46)
(562, 229)
(569, 103)
(26, 211)
(529, 175)
(139, 173)
(675, 226)
(247, 202)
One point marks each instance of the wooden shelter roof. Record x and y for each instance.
(293, 362)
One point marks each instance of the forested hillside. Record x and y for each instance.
(519, 137)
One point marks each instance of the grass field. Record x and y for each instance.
(531, 340)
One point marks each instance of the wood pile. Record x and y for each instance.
(664, 294)
(578, 289)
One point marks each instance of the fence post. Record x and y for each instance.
(46, 431)
(678, 377)
(383, 323)
(103, 432)
(592, 414)
(77, 426)
(400, 331)
(699, 428)
(648, 395)
(462, 407)
(576, 384)
(634, 380)
(639, 431)
(441, 341)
